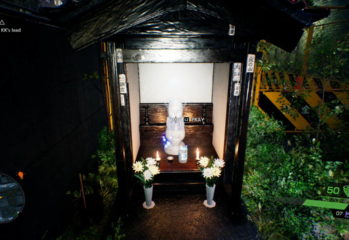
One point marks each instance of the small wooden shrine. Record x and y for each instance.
(191, 31)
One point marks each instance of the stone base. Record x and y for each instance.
(149, 207)
(209, 206)
(173, 149)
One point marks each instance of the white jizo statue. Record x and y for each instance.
(175, 131)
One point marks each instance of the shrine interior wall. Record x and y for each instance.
(187, 82)
(219, 99)
(133, 84)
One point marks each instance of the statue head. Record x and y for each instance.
(175, 109)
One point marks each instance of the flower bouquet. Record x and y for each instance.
(145, 170)
(211, 169)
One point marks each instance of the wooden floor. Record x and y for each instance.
(196, 137)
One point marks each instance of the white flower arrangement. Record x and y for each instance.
(203, 161)
(211, 169)
(145, 170)
(150, 161)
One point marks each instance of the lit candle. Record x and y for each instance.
(157, 156)
(197, 154)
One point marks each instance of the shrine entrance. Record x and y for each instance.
(197, 86)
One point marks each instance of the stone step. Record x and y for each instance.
(179, 182)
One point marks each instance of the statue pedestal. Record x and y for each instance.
(172, 149)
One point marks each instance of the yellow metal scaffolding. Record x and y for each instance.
(274, 85)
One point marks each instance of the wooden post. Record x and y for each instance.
(236, 135)
(121, 122)
(233, 115)
(125, 122)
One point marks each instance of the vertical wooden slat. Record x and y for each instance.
(125, 127)
(106, 81)
(231, 131)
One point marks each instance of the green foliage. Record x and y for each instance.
(93, 232)
(104, 184)
(329, 56)
(104, 181)
(89, 233)
(106, 175)
(276, 59)
(282, 170)
(334, 142)
(117, 231)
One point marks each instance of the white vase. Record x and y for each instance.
(209, 202)
(148, 194)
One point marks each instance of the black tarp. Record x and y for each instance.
(89, 21)
(274, 21)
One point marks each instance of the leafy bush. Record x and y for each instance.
(104, 184)
(329, 56)
(106, 176)
(281, 172)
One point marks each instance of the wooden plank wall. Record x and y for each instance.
(196, 133)
(156, 113)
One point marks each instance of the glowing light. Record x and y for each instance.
(236, 149)
(57, 2)
(164, 139)
(157, 156)
(166, 142)
(20, 174)
(197, 154)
